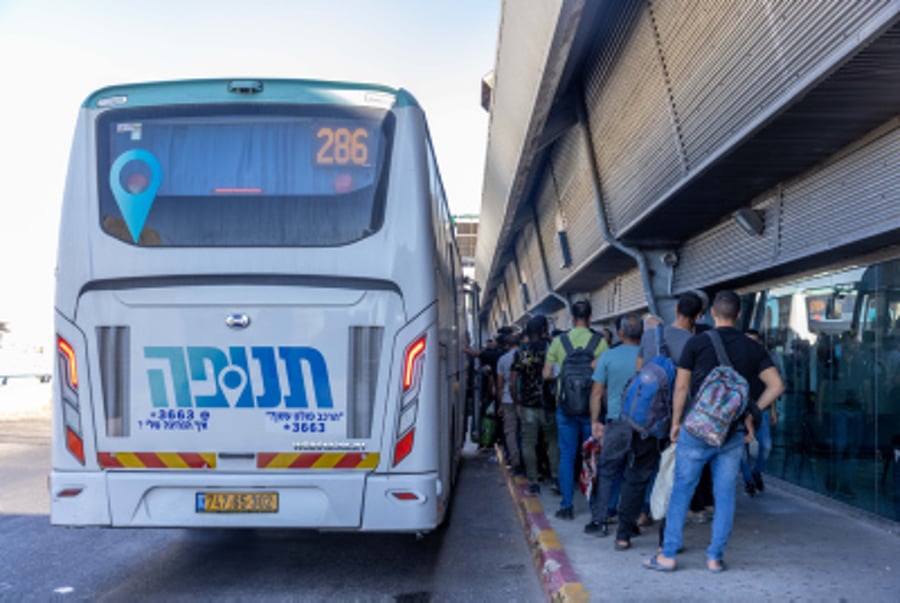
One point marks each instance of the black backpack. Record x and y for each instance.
(529, 364)
(575, 377)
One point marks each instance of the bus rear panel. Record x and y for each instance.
(248, 321)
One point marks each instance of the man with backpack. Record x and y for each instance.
(574, 352)
(536, 417)
(688, 310)
(714, 373)
(608, 426)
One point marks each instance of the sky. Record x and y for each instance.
(56, 52)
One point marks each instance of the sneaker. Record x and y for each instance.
(595, 528)
(534, 488)
(568, 513)
(750, 489)
(697, 516)
(758, 481)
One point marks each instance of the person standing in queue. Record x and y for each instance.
(573, 417)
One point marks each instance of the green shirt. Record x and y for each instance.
(580, 337)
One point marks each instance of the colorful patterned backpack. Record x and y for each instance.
(720, 401)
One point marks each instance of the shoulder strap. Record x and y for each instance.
(594, 342)
(566, 343)
(661, 348)
(721, 353)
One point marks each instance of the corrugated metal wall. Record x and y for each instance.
(631, 123)
(514, 288)
(570, 165)
(675, 85)
(625, 293)
(551, 221)
(682, 79)
(755, 52)
(726, 251)
(854, 196)
(530, 266)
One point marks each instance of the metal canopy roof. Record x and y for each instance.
(842, 105)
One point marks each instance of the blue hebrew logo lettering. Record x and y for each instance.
(236, 378)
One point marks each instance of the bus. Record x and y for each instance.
(258, 311)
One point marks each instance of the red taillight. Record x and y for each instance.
(75, 445)
(405, 495)
(413, 353)
(404, 446)
(68, 493)
(69, 354)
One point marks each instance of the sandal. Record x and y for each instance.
(654, 564)
(622, 545)
(715, 566)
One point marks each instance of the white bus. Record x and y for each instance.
(258, 311)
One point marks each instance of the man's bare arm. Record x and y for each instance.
(679, 399)
(774, 387)
(597, 410)
(548, 370)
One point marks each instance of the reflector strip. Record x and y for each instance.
(404, 446)
(75, 445)
(237, 191)
(317, 460)
(157, 460)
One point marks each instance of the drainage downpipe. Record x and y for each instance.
(601, 210)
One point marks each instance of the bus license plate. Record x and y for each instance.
(237, 502)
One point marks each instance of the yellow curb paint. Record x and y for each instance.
(532, 505)
(547, 539)
(572, 592)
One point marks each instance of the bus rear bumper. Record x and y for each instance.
(348, 501)
(79, 499)
(402, 503)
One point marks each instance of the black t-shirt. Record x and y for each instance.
(489, 357)
(748, 357)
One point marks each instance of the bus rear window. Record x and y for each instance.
(242, 175)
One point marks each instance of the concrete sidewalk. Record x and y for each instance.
(786, 546)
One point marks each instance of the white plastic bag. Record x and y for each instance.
(662, 487)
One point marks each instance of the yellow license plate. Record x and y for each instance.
(237, 502)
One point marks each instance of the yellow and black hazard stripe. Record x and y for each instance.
(317, 460)
(157, 460)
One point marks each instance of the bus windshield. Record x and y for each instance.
(242, 175)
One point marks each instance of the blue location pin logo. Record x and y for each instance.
(135, 206)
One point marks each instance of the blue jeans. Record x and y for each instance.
(573, 432)
(690, 457)
(764, 439)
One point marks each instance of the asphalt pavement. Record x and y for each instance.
(787, 545)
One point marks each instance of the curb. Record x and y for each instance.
(557, 575)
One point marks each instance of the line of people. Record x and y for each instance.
(557, 393)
